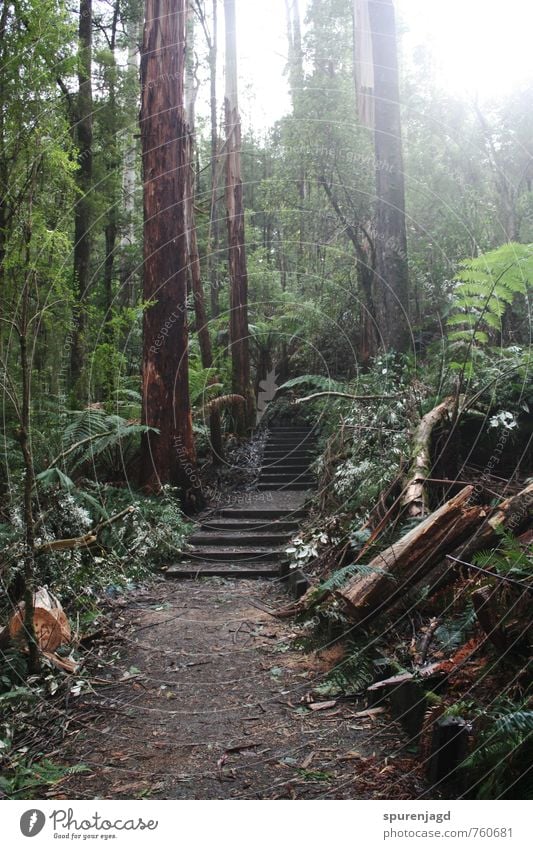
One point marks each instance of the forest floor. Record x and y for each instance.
(195, 691)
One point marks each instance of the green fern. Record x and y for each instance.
(93, 434)
(201, 385)
(510, 558)
(337, 579)
(486, 286)
(454, 632)
(520, 722)
(317, 381)
(502, 761)
(350, 677)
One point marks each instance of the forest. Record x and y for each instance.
(266, 466)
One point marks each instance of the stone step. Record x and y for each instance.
(281, 477)
(289, 448)
(292, 456)
(288, 462)
(233, 554)
(262, 512)
(264, 569)
(275, 525)
(291, 440)
(235, 539)
(274, 434)
(285, 471)
(274, 428)
(295, 437)
(273, 487)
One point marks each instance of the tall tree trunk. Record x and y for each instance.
(113, 164)
(296, 81)
(214, 230)
(195, 270)
(129, 181)
(169, 456)
(25, 439)
(4, 170)
(82, 212)
(239, 333)
(391, 239)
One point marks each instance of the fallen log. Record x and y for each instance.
(408, 559)
(84, 541)
(414, 498)
(511, 515)
(52, 628)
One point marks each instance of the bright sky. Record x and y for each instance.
(480, 47)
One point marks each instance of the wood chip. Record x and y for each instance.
(351, 756)
(370, 712)
(322, 705)
(306, 762)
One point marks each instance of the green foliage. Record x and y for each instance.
(95, 436)
(501, 760)
(29, 779)
(351, 676)
(316, 381)
(456, 630)
(486, 287)
(510, 558)
(339, 578)
(151, 535)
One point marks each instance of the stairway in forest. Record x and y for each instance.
(249, 541)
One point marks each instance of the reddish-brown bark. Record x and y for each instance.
(239, 332)
(83, 133)
(195, 269)
(392, 275)
(167, 457)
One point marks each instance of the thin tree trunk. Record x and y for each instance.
(82, 212)
(296, 80)
(391, 238)
(239, 332)
(4, 171)
(195, 270)
(129, 182)
(110, 241)
(113, 162)
(26, 449)
(214, 235)
(169, 456)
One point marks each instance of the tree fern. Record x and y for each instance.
(485, 287)
(201, 384)
(318, 381)
(94, 433)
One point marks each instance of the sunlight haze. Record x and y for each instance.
(477, 48)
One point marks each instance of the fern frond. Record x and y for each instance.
(485, 287)
(519, 723)
(223, 401)
(318, 381)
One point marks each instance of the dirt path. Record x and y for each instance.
(208, 699)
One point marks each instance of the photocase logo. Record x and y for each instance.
(32, 822)
(267, 390)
